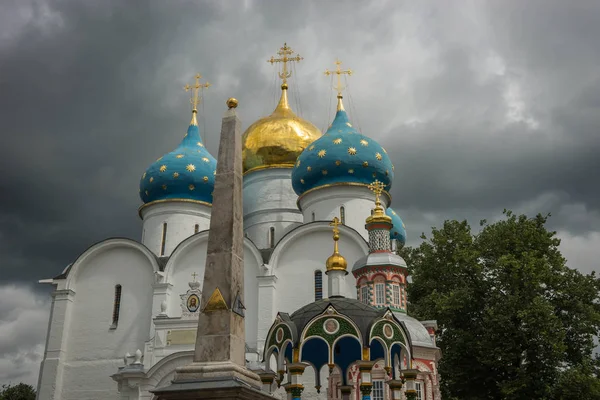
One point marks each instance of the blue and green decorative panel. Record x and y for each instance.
(330, 327)
(388, 331)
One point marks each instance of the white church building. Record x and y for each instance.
(124, 312)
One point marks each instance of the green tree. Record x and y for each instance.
(21, 391)
(514, 321)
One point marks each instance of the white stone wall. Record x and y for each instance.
(304, 251)
(190, 257)
(181, 219)
(269, 202)
(92, 349)
(325, 203)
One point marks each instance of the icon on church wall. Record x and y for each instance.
(388, 331)
(279, 335)
(193, 303)
(331, 326)
(190, 300)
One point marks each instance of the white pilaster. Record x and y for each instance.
(266, 308)
(50, 380)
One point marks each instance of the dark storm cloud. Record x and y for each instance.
(91, 94)
(481, 106)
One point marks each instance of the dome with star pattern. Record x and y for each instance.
(186, 173)
(398, 231)
(342, 156)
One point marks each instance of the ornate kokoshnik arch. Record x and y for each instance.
(331, 327)
(390, 334)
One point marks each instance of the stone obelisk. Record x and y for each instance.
(218, 370)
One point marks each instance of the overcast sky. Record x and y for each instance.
(481, 106)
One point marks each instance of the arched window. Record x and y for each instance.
(318, 285)
(116, 307)
(342, 215)
(196, 228)
(364, 294)
(163, 240)
(396, 294)
(313, 217)
(271, 237)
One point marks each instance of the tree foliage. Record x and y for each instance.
(514, 321)
(21, 391)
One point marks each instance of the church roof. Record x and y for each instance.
(418, 333)
(186, 173)
(360, 313)
(380, 258)
(342, 156)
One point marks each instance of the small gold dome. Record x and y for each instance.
(336, 261)
(276, 141)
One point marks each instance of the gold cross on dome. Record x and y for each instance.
(339, 72)
(377, 188)
(335, 223)
(194, 275)
(195, 88)
(285, 54)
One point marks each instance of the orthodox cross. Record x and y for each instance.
(338, 71)
(194, 275)
(335, 223)
(285, 54)
(377, 188)
(195, 88)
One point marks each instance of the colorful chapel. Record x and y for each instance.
(319, 324)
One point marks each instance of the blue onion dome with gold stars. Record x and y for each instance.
(186, 173)
(398, 231)
(342, 156)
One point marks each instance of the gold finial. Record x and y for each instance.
(285, 52)
(339, 87)
(336, 262)
(195, 98)
(232, 102)
(378, 215)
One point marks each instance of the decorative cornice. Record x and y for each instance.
(328, 185)
(144, 206)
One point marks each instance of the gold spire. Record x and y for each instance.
(195, 98)
(339, 87)
(285, 52)
(336, 262)
(378, 214)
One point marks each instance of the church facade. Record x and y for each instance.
(124, 314)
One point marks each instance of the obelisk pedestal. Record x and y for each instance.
(218, 370)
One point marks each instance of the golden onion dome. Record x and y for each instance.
(276, 141)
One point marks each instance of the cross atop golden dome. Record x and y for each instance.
(285, 52)
(378, 214)
(276, 141)
(336, 262)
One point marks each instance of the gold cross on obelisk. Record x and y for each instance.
(285, 52)
(377, 188)
(194, 275)
(338, 71)
(195, 88)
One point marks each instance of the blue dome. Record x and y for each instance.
(398, 231)
(341, 156)
(186, 173)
